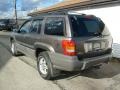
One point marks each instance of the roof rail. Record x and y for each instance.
(54, 13)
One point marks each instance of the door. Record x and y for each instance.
(33, 36)
(20, 36)
(34, 33)
(54, 32)
(89, 35)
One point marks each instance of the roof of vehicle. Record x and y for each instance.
(57, 15)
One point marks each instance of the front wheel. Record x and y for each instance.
(13, 48)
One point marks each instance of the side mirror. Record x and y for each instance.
(15, 30)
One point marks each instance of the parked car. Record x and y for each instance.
(69, 42)
(6, 24)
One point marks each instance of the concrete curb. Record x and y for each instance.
(5, 33)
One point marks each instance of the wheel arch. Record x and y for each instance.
(41, 47)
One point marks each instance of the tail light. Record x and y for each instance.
(68, 47)
(89, 16)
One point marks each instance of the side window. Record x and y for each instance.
(54, 26)
(36, 26)
(26, 27)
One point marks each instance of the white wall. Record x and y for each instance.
(111, 16)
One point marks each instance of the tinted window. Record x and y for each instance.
(26, 27)
(86, 26)
(54, 26)
(36, 26)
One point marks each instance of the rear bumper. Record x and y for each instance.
(68, 63)
(95, 60)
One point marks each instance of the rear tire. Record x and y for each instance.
(45, 67)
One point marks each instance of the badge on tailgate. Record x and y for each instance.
(96, 46)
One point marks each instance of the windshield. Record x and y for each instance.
(86, 26)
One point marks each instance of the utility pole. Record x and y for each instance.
(15, 12)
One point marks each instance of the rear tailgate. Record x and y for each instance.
(91, 46)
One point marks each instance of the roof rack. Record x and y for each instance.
(68, 5)
(60, 13)
(53, 13)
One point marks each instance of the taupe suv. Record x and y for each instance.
(69, 42)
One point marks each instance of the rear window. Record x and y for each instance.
(86, 26)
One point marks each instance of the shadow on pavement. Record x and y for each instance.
(5, 54)
(106, 71)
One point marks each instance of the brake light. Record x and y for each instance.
(89, 16)
(68, 47)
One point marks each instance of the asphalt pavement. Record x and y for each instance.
(20, 73)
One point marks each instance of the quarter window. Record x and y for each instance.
(54, 26)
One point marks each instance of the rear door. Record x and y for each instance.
(54, 32)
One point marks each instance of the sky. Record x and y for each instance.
(23, 7)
